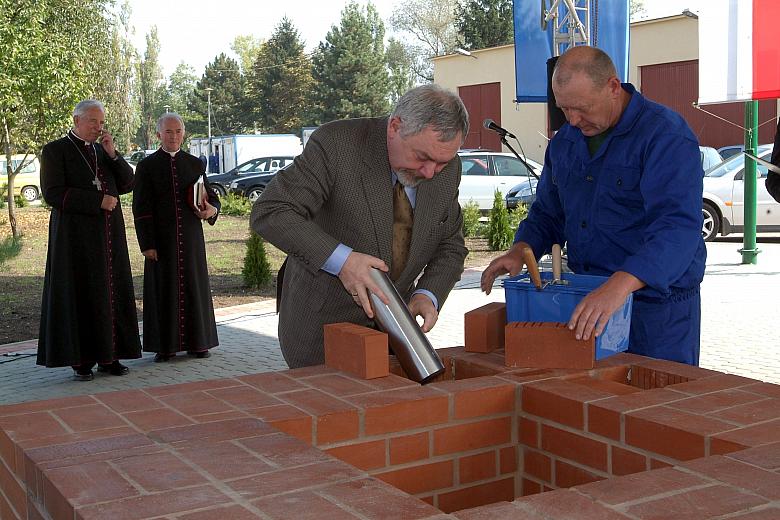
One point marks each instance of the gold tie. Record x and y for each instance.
(403, 216)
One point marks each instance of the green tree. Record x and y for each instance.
(257, 268)
(400, 65)
(484, 23)
(500, 232)
(151, 92)
(350, 71)
(46, 48)
(429, 27)
(117, 84)
(181, 88)
(229, 110)
(280, 82)
(246, 47)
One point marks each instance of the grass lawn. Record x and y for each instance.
(21, 277)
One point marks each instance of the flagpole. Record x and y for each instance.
(749, 250)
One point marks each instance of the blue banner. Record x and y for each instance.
(534, 46)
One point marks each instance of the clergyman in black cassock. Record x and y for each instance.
(178, 310)
(88, 310)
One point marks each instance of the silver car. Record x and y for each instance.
(723, 199)
(484, 172)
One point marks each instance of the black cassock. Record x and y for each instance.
(88, 310)
(178, 311)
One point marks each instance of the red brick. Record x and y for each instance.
(567, 475)
(563, 503)
(537, 464)
(750, 436)
(244, 396)
(752, 413)
(149, 420)
(604, 385)
(671, 432)
(402, 409)
(64, 488)
(409, 448)
(477, 467)
(470, 436)
(716, 401)
(272, 382)
(304, 505)
(233, 512)
(377, 500)
(364, 455)
(340, 384)
(574, 447)
(196, 403)
(640, 486)
(772, 513)
(292, 479)
(421, 478)
(546, 345)
(559, 401)
(212, 458)
(128, 401)
(12, 489)
(604, 417)
(709, 502)
(288, 419)
(284, 451)
(214, 431)
(658, 464)
(484, 327)
(483, 396)
(191, 388)
(481, 494)
(155, 505)
(626, 462)
(45, 405)
(530, 487)
(738, 474)
(30, 426)
(529, 432)
(508, 460)
(767, 456)
(765, 389)
(713, 384)
(357, 350)
(159, 472)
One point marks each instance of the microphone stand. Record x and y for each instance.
(502, 137)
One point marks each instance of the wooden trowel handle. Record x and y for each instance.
(533, 268)
(557, 262)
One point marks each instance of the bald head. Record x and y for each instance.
(582, 59)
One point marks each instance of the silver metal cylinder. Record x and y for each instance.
(413, 350)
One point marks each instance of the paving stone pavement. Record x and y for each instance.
(739, 333)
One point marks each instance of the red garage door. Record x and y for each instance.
(676, 85)
(482, 101)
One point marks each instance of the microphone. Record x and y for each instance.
(503, 132)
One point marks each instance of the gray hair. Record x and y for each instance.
(88, 104)
(166, 116)
(591, 61)
(434, 106)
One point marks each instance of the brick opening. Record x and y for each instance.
(455, 369)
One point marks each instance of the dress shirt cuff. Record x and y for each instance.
(430, 295)
(336, 260)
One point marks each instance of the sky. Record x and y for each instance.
(196, 31)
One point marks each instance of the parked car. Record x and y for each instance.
(27, 182)
(135, 157)
(221, 182)
(525, 192)
(252, 186)
(484, 172)
(723, 199)
(731, 150)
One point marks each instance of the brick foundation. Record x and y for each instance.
(632, 438)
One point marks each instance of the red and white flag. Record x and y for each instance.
(739, 50)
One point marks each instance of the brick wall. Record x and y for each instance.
(633, 437)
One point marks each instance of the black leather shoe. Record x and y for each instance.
(83, 375)
(162, 358)
(200, 354)
(115, 369)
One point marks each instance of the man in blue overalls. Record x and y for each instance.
(622, 187)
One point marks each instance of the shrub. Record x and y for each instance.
(499, 233)
(20, 201)
(9, 248)
(235, 205)
(472, 227)
(125, 200)
(257, 268)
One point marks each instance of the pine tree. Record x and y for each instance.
(280, 82)
(350, 71)
(485, 23)
(400, 65)
(499, 231)
(151, 90)
(229, 109)
(257, 268)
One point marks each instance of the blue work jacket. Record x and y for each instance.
(635, 206)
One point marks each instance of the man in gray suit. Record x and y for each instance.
(332, 213)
